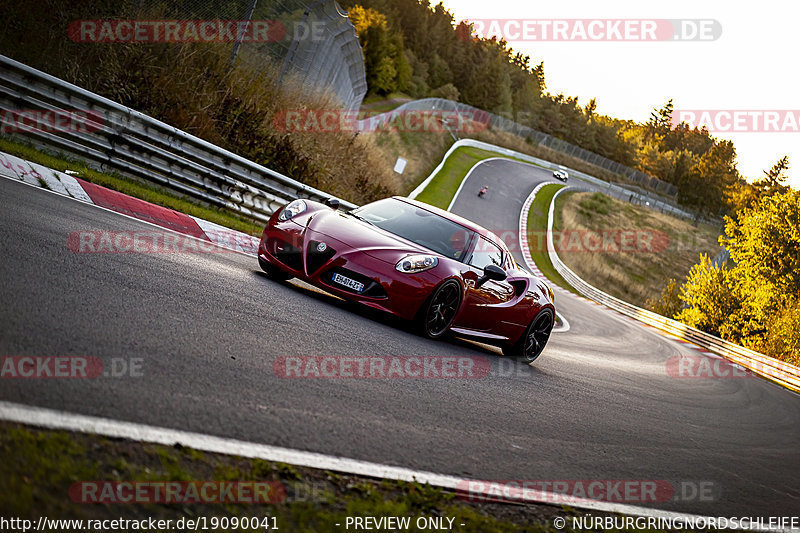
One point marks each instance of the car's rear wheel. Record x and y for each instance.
(274, 273)
(530, 345)
(438, 313)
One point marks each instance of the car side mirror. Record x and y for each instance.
(491, 272)
(333, 203)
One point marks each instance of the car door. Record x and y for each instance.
(485, 306)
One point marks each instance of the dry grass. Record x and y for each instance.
(641, 273)
(189, 86)
(421, 150)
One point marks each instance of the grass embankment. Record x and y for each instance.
(658, 248)
(375, 103)
(537, 234)
(443, 186)
(47, 463)
(445, 183)
(421, 150)
(191, 86)
(146, 191)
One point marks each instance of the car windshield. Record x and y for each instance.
(417, 225)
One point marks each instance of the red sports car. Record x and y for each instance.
(416, 262)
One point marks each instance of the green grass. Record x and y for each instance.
(537, 231)
(46, 463)
(443, 186)
(380, 104)
(149, 192)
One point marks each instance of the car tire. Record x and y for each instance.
(274, 273)
(532, 343)
(440, 310)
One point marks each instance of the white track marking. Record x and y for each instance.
(59, 420)
(48, 175)
(14, 167)
(74, 188)
(229, 238)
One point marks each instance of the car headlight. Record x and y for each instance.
(416, 263)
(292, 210)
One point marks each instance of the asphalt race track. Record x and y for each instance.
(597, 405)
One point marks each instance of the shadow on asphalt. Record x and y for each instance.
(515, 366)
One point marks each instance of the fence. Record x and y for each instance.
(542, 139)
(773, 369)
(115, 137)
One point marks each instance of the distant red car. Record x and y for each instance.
(416, 262)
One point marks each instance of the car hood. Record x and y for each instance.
(363, 236)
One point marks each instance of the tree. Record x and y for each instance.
(745, 195)
(755, 303)
(384, 80)
(710, 297)
(364, 18)
(447, 91)
(774, 180)
(670, 303)
(660, 122)
(590, 108)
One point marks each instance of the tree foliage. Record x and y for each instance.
(429, 53)
(755, 302)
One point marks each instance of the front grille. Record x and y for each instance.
(286, 253)
(372, 288)
(315, 259)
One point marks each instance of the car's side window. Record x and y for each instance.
(486, 253)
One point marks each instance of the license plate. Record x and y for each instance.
(347, 282)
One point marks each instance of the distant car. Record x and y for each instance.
(561, 175)
(416, 262)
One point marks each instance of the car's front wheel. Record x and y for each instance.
(437, 315)
(274, 273)
(530, 345)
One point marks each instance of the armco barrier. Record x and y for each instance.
(137, 145)
(782, 373)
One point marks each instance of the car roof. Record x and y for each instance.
(453, 217)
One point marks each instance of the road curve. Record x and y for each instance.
(598, 404)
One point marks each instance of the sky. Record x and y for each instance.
(751, 66)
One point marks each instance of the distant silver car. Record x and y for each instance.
(561, 175)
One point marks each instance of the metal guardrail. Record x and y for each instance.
(136, 145)
(773, 369)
